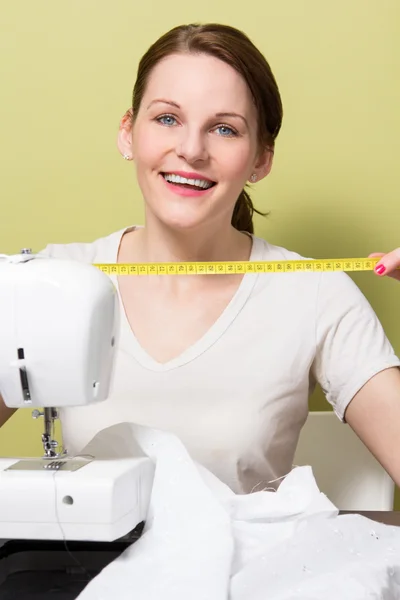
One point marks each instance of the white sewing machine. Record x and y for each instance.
(58, 323)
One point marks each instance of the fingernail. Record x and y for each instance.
(380, 269)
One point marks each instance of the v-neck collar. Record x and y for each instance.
(130, 344)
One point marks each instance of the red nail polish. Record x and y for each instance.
(380, 269)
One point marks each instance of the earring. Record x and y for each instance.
(253, 178)
(126, 157)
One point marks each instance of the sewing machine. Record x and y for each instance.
(58, 328)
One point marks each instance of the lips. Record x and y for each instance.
(188, 180)
(186, 186)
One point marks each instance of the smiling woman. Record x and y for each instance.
(195, 123)
(225, 89)
(226, 362)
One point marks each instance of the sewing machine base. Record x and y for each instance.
(101, 501)
(42, 569)
(55, 464)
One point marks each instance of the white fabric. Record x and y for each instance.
(201, 541)
(239, 396)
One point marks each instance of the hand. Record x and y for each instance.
(390, 262)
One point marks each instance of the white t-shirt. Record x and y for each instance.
(238, 397)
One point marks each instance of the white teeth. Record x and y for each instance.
(178, 179)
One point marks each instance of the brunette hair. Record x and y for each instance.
(234, 48)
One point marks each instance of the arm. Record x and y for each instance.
(374, 412)
(374, 415)
(5, 412)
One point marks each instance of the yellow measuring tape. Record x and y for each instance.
(234, 267)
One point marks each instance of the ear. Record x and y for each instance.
(124, 140)
(263, 166)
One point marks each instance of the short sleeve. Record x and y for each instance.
(351, 345)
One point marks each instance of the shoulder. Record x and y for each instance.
(104, 249)
(329, 287)
(272, 252)
(267, 251)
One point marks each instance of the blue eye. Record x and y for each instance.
(167, 120)
(226, 131)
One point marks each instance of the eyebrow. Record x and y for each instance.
(219, 115)
(163, 102)
(232, 114)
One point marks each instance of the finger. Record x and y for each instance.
(388, 264)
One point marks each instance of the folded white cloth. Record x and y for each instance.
(202, 541)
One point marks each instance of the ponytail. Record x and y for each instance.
(242, 217)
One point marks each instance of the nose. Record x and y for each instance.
(192, 145)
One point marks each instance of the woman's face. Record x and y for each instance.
(194, 141)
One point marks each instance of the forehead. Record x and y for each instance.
(200, 81)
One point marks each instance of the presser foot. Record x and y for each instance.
(51, 460)
(49, 445)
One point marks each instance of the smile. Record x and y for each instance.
(188, 183)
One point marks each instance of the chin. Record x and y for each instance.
(181, 225)
(183, 219)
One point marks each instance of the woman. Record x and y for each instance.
(227, 362)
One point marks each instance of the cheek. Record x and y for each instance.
(235, 159)
(149, 147)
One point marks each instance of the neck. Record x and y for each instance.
(158, 243)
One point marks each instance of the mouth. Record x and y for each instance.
(196, 184)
